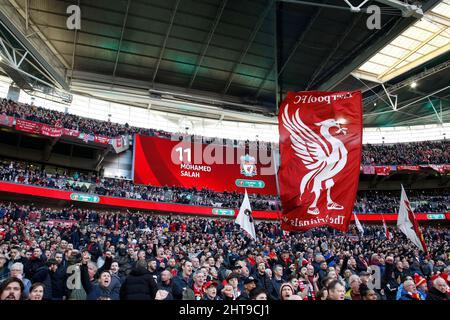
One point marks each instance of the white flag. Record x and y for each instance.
(358, 224)
(245, 218)
(386, 230)
(407, 223)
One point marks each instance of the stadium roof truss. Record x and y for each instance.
(425, 40)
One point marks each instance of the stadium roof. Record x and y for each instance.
(224, 51)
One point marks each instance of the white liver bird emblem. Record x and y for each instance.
(323, 164)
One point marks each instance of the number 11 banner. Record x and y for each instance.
(320, 148)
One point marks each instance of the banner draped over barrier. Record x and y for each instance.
(119, 144)
(320, 146)
(387, 170)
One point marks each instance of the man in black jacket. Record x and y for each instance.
(165, 282)
(262, 280)
(390, 284)
(439, 290)
(59, 278)
(94, 249)
(36, 261)
(139, 284)
(44, 275)
(249, 285)
(277, 281)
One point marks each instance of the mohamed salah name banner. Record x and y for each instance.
(169, 162)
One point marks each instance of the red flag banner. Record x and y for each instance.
(50, 131)
(100, 139)
(438, 167)
(368, 170)
(71, 133)
(28, 126)
(6, 120)
(320, 148)
(409, 168)
(382, 170)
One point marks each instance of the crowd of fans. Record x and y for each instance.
(423, 201)
(25, 173)
(70, 121)
(129, 256)
(97, 127)
(414, 153)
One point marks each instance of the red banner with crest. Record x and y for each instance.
(320, 147)
(50, 131)
(28, 126)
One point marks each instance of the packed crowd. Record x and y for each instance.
(25, 173)
(423, 201)
(415, 153)
(98, 127)
(133, 256)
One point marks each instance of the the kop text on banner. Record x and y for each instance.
(320, 146)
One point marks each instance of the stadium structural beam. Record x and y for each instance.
(407, 9)
(119, 47)
(250, 41)
(362, 57)
(390, 96)
(27, 15)
(278, 91)
(315, 4)
(291, 54)
(101, 157)
(407, 82)
(166, 38)
(208, 41)
(299, 42)
(333, 52)
(16, 27)
(413, 51)
(420, 93)
(435, 111)
(11, 53)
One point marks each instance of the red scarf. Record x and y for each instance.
(198, 293)
(416, 296)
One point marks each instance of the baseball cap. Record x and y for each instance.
(211, 283)
(249, 280)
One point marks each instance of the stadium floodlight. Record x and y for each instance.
(413, 84)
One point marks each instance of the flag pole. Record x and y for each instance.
(276, 180)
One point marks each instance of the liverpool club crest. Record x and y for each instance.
(248, 166)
